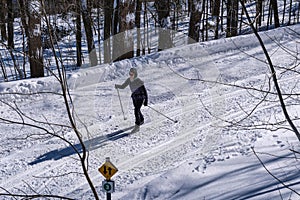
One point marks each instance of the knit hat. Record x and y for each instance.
(134, 71)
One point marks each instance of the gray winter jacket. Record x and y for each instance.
(137, 88)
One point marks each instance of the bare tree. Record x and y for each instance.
(108, 16)
(195, 18)
(138, 11)
(10, 31)
(216, 14)
(164, 33)
(89, 33)
(70, 112)
(31, 19)
(10, 24)
(273, 75)
(3, 14)
(116, 40)
(259, 12)
(78, 33)
(232, 18)
(275, 10)
(127, 22)
(46, 129)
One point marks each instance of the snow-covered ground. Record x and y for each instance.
(200, 157)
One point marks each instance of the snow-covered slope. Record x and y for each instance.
(199, 157)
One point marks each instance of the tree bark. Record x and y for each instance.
(276, 15)
(108, 16)
(164, 34)
(216, 14)
(216, 8)
(115, 30)
(259, 9)
(232, 18)
(78, 34)
(89, 33)
(35, 49)
(3, 13)
(127, 22)
(10, 24)
(138, 26)
(195, 18)
(10, 38)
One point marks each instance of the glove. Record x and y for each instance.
(116, 86)
(145, 103)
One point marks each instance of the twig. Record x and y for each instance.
(281, 182)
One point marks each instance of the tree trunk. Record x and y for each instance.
(108, 16)
(89, 33)
(232, 18)
(24, 29)
(290, 12)
(3, 13)
(190, 2)
(3, 69)
(115, 30)
(78, 34)
(222, 15)
(164, 33)
(216, 15)
(10, 24)
(35, 48)
(206, 7)
(283, 14)
(146, 30)
(269, 20)
(10, 39)
(127, 22)
(194, 25)
(259, 13)
(216, 8)
(138, 26)
(276, 15)
(99, 21)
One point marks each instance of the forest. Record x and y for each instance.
(36, 36)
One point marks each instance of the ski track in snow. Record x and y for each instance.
(137, 155)
(164, 154)
(160, 155)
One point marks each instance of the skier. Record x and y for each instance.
(139, 96)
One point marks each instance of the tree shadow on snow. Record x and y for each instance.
(91, 144)
(259, 186)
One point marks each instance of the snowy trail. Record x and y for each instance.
(160, 145)
(178, 146)
(161, 156)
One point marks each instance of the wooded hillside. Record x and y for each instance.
(34, 32)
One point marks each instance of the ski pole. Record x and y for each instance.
(175, 121)
(121, 103)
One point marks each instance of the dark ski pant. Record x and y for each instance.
(137, 103)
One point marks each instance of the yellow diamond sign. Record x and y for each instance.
(108, 169)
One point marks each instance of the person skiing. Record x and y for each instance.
(139, 96)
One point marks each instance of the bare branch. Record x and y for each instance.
(274, 76)
(281, 182)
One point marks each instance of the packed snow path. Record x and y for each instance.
(161, 145)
